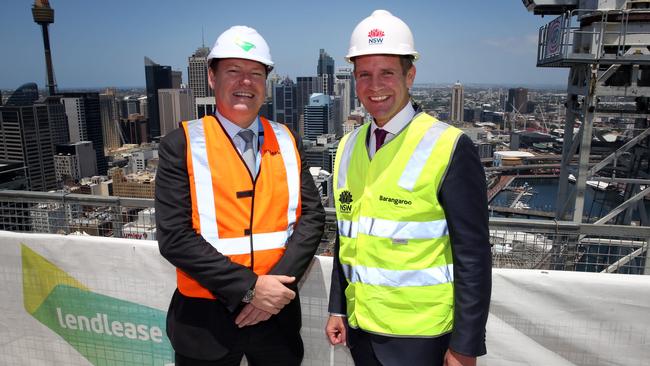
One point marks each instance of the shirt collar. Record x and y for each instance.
(398, 122)
(232, 129)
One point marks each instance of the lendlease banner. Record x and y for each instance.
(99, 327)
(85, 301)
(71, 300)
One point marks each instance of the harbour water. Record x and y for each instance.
(541, 195)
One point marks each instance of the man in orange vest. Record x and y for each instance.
(239, 216)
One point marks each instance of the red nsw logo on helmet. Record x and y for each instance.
(375, 33)
(376, 36)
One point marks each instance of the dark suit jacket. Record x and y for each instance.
(463, 197)
(202, 328)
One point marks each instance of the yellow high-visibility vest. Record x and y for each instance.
(394, 242)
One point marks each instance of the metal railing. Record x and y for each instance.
(589, 36)
(516, 243)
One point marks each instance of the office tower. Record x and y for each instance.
(175, 106)
(457, 102)
(271, 82)
(110, 117)
(129, 105)
(157, 77)
(75, 161)
(135, 129)
(26, 94)
(325, 72)
(143, 102)
(335, 125)
(85, 123)
(517, 100)
(197, 73)
(284, 104)
(205, 106)
(318, 116)
(25, 137)
(44, 16)
(344, 87)
(177, 79)
(306, 86)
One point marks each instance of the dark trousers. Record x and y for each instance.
(375, 350)
(263, 344)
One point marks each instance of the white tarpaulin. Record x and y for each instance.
(79, 300)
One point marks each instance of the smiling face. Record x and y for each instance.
(239, 86)
(382, 86)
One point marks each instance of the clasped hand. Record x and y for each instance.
(271, 295)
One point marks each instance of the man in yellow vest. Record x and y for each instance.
(239, 216)
(412, 269)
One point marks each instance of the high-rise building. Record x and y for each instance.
(135, 129)
(325, 71)
(306, 86)
(457, 102)
(318, 115)
(85, 123)
(129, 105)
(177, 79)
(197, 73)
(157, 77)
(272, 81)
(517, 99)
(175, 105)
(108, 107)
(284, 104)
(205, 106)
(26, 94)
(144, 106)
(75, 161)
(58, 120)
(344, 87)
(25, 137)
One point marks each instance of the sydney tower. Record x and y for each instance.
(44, 16)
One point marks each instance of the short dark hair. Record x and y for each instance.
(215, 62)
(406, 61)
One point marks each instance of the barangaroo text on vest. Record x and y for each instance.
(395, 201)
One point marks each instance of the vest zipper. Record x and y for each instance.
(254, 179)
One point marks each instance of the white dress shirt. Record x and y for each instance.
(393, 127)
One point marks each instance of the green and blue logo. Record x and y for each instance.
(105, 330)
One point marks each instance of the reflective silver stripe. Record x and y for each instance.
(293, 171)
(398, 230)
(348, 229)
(242, 245)
(399, 278)
(203, 182)
(345, 158)
(421, 154)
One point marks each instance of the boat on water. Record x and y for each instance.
(595, 184)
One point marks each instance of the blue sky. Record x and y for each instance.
(99, 44)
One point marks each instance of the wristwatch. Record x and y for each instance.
(248, 297)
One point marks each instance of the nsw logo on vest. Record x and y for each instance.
(345, 200)
(376, 36)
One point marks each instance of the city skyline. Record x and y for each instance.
(95, 47)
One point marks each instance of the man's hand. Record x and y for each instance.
(250, 315)
(271, 295)
(456, 359)
(335, 330)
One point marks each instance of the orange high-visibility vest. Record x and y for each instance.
(249, 220)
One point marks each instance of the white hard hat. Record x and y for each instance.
(242, 42)
(381, 33)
